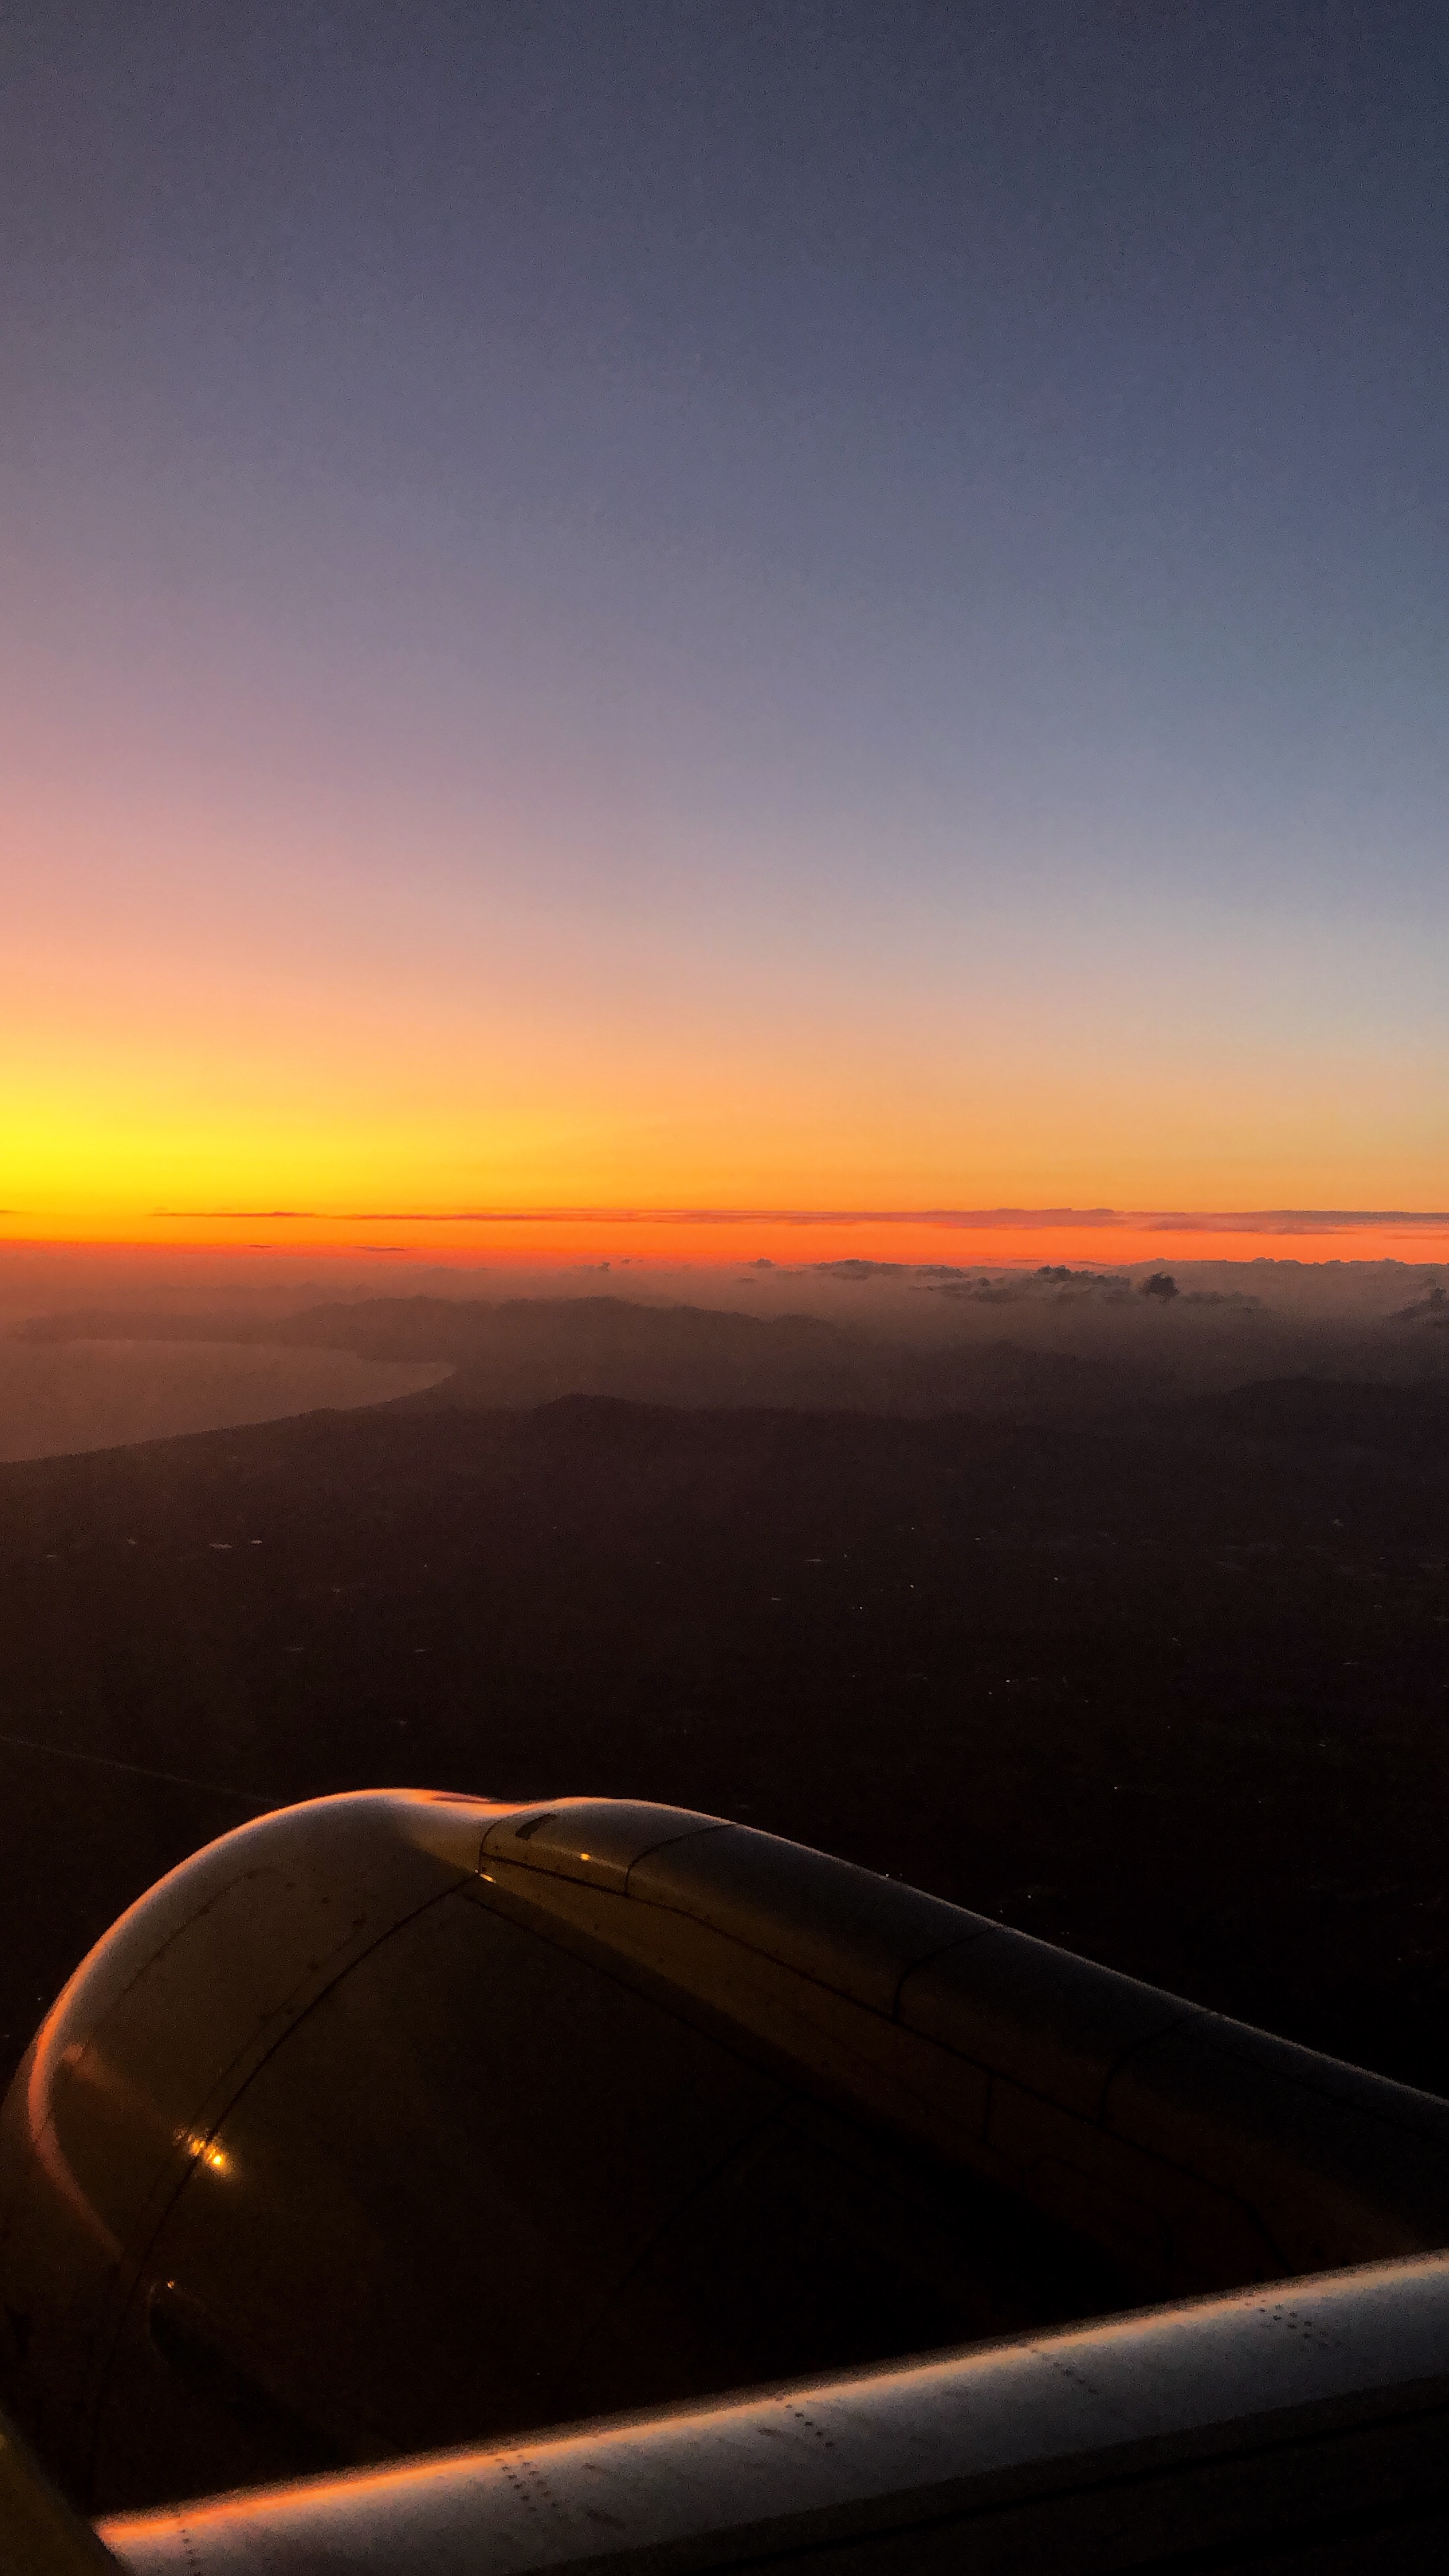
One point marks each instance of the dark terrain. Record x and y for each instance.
(1039, 1347)
(530, 1350)
(1168, 1685)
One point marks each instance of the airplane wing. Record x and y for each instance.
(413, 2183)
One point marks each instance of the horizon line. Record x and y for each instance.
(1106, 1219)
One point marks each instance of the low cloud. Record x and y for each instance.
(862, 1269)
(1055, 1282)
(1431, 1308)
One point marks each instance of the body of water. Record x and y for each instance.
(59, 1397)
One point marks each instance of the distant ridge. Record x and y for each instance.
(525, 1351)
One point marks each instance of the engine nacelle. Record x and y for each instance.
(334, 2149)
(397, 2121)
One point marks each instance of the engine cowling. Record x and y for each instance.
(335, 2150)
(397, 2121)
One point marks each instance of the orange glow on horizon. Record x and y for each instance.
(627, 1239)
(178, 1073)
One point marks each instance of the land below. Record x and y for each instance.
(1051, 1345)
(1161, 1676)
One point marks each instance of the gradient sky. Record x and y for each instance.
(681, 603)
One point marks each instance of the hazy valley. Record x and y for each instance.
(1160, 1675)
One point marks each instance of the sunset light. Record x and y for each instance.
(724, 1124)
(593, 784)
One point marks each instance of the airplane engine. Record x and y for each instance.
(336, 2148)
(399, 2121)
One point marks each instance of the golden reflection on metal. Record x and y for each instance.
(919, 2450)
(45, 2146)
(207, 2152)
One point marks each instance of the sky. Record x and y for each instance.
(805, 618)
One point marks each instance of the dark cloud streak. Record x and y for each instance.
(983, 1220)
